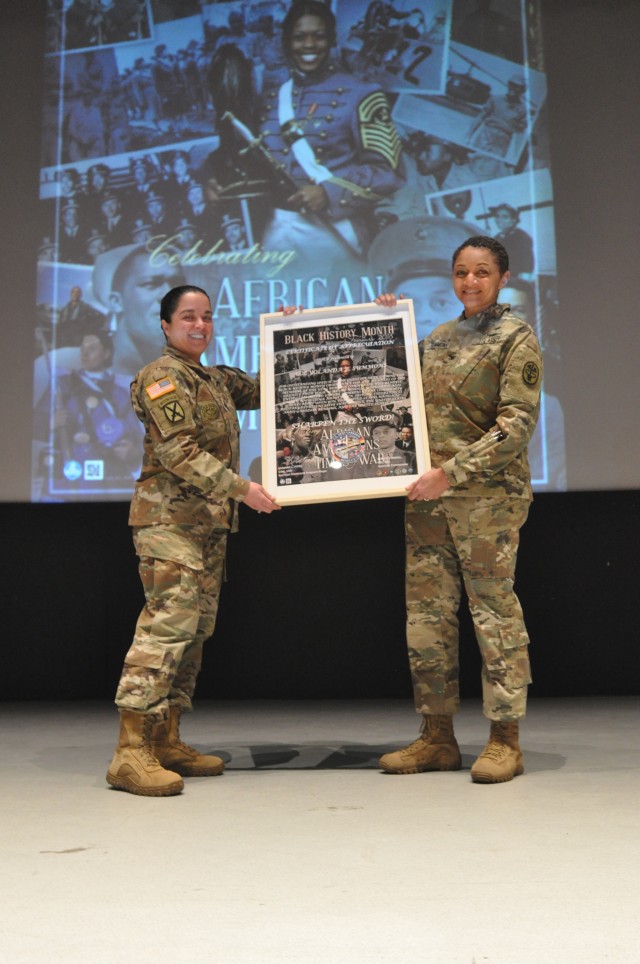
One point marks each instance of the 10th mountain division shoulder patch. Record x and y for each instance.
(174, 412)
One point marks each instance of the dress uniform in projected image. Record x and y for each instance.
(275, 153)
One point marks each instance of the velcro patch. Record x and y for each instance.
(209, 411)
(530, 373)
(173, 411)
(162, 387)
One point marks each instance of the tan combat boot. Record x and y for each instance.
(134, 768)
(173, 753)
(501, 760)
(435, 749)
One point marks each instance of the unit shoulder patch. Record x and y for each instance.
(530, 373)
(174, 412)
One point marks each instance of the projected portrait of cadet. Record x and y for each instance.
(70, 184)
(98, 177)
(141, 231)
(71, 241)
(77, 319)
(179, 176)
(518, 243)
(96, 244)
(501, 117)
(412, 258)
(157, 214)
(92, 418)
(331, 134)
(384, 458)
(233, 232)
(185, 503)
(184, 234)
(481, 373)
(141, 171)
(125, 282)
(114, 223)
(201, 213)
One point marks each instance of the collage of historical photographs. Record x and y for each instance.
(225, 145)
(341, 404)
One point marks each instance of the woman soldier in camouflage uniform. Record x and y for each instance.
(482, 379)
(184, 504)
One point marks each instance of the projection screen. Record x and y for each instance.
(162, 163)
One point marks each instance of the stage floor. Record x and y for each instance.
(304, 852)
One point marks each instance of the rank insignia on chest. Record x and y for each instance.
(174, 411)
(162, 387)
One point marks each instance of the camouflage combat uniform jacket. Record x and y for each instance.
(482, 382)
(191, 445)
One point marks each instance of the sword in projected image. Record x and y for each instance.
(284, 181)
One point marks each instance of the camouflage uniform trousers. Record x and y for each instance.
(181, 571)
(474, 540)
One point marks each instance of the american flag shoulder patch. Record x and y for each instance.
(160, 388)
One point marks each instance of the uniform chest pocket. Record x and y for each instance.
(213, 418)
(476, 378)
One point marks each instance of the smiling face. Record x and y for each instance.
(309, 44)
(190, 328)
(477, 279)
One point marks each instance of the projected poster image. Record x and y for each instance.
(317, 161)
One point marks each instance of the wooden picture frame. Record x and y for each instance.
(340, 386)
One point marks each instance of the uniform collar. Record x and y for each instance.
(309, 80)
(180, 356)
(484, 318)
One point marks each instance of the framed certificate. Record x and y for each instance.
(342, 407)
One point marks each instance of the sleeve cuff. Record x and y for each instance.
(239, 489)
(454, 473)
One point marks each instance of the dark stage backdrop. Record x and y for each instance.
(324, 584)
(314, 603)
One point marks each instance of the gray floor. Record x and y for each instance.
(304, 852)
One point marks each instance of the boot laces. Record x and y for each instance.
(413, 747)
(181, 745)
(147, 755)
(496, 751)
